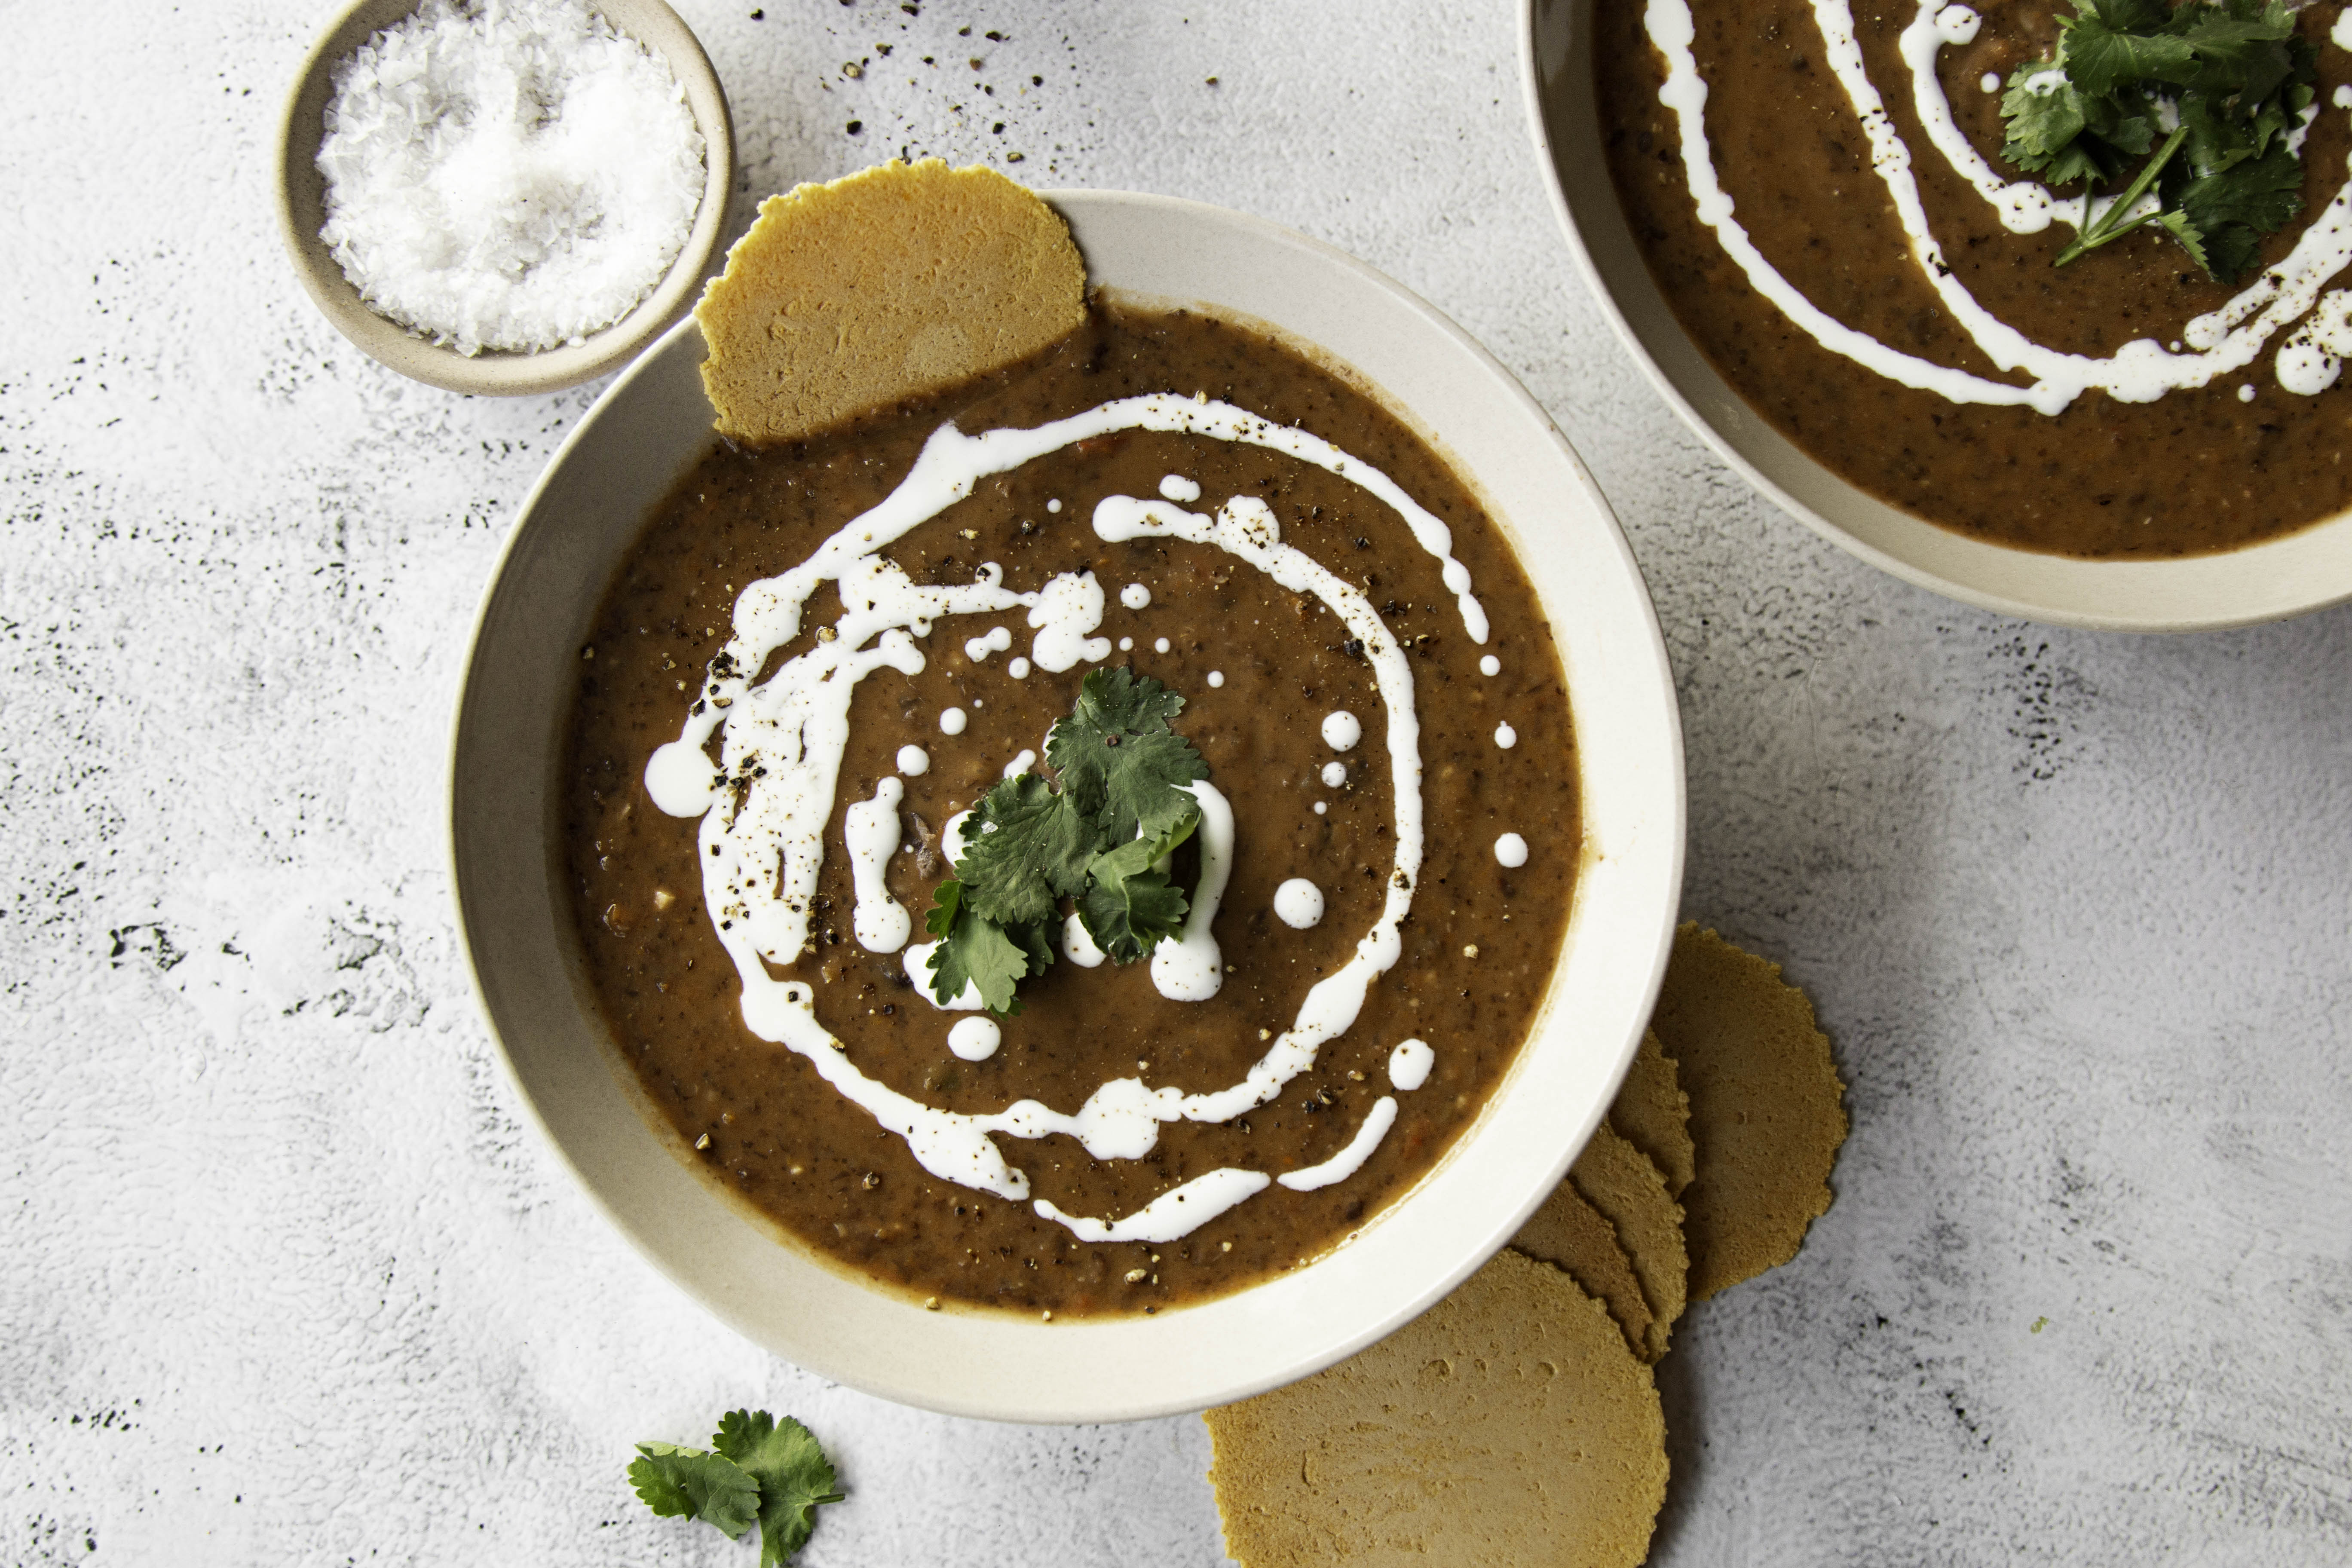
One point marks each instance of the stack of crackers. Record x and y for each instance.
(1517, 1423)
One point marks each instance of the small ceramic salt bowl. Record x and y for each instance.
(302, 212)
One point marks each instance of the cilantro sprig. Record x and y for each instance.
(2223, 82)
(1099, 835)
(758, 1470)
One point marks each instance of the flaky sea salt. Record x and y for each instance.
(506, 174)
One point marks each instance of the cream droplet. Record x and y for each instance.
(1298, 903)
(1409, 1064)
(1018, 669)
(1506, 737)
(914, 762)
(1490, 664)
(1159, 646)
(1511, 850)
(1053, 505)
(1078, 943)
(975, 1040)
(1176, 487)
(2246, 394)
(953, 720)
(1989, 82)
(1216, 677)
(1342, 731)
(1135, 596)
(1334, 774)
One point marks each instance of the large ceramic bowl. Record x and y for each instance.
(302, 210)
(2283, 577)
(517, 924)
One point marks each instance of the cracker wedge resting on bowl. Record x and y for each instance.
(847, 298)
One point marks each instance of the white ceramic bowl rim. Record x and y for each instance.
(514, 915)
(2290, 575)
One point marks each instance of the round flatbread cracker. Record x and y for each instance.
(1619, 1180)
(1506, 1427)
(1652, 1113)
(853, 297)
(1766, 1112)
(1570, 1232)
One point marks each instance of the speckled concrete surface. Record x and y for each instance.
(283, 1279)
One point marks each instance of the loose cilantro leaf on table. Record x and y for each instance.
(695, 1484)
(2223, 82)
(794, 1474)
(765, 1472)
(1096, 835)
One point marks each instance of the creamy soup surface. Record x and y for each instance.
(751, 902)
(2126, 406)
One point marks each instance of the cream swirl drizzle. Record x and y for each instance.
(765, 805)
(2218, 343)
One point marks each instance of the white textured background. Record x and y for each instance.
(283, 1280)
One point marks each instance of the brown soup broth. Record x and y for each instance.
(2195, 472)
(816, 1163)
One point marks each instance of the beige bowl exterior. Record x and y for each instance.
(2287, 576)
(516, 918)
(302, 212)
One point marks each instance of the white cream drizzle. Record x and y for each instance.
(1078, 944)
(1066, 611)
(951, 835)
(1348, 1160)
(1190, 967)
(763, 805)
(2218, 343)
(2312, 355)
(1177, 1212)
(870, 828)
